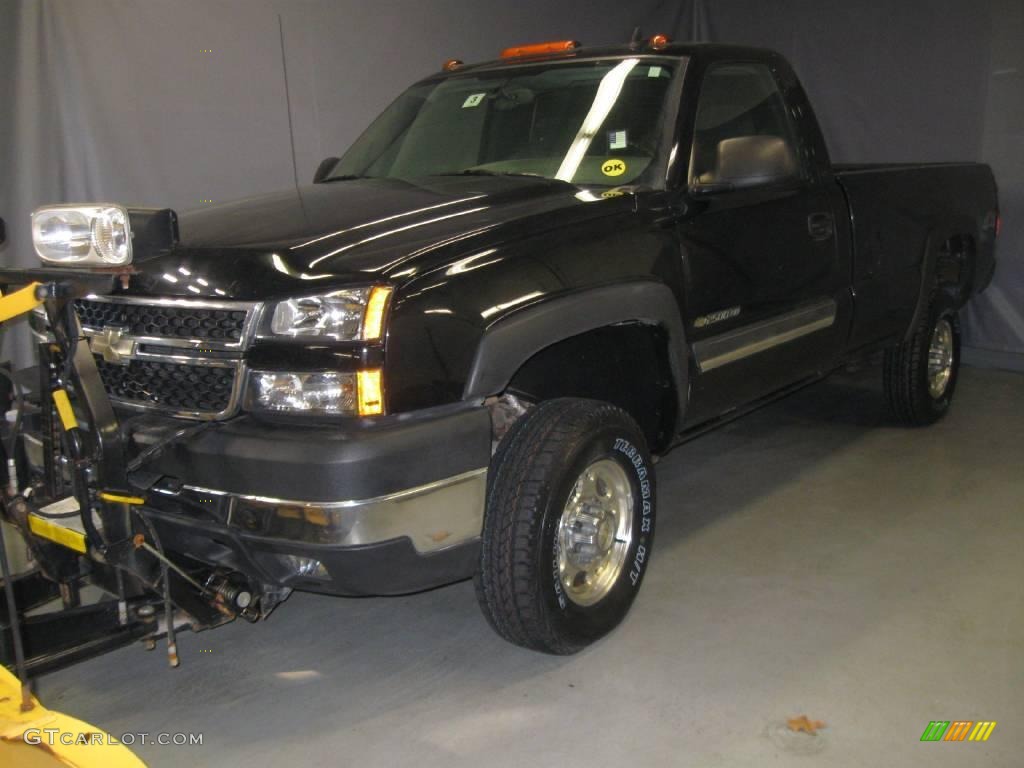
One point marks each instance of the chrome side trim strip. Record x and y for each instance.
(433, 516)
(742, 343)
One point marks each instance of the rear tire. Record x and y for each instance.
(920, 374)
(569, 525)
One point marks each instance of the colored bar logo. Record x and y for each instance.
(958, 730)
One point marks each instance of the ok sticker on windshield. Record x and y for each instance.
(613, 167)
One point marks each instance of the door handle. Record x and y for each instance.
(820, 226)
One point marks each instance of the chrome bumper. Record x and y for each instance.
(433, 517)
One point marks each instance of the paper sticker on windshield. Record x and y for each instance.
(617, 140)
(613, 167)
(474, 100)
(654, 72)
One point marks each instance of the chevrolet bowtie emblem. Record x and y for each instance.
(109, 344)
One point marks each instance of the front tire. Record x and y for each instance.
(920, 374)
(569, 525)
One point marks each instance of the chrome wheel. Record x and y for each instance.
(595, 531)
(940, 358)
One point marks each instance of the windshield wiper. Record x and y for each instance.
(483, 172)
(346, 177)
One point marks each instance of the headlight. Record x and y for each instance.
(353, 314)
(316, 392)
(320, 392)
(82, 234)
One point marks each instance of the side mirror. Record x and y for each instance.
(748, 161)
(324, 169)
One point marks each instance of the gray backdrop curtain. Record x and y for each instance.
(175, 103)
(905, 80)
(120, 100)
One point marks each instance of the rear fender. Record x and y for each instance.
(934, 242)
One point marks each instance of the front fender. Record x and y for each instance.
(514, 339)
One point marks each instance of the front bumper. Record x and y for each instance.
(389, 567)
(387, 506)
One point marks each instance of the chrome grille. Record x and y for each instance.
(166, 320)
(184, 358)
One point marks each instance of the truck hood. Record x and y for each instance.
(359, 230)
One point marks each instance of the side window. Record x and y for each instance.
(741, 116)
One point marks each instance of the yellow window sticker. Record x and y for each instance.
(473, 101)
(613, 167)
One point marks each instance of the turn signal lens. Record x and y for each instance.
(539, 49)
(371, 393)
(373, 321)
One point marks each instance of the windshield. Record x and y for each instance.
(590, 123)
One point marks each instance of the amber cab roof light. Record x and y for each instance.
(539, 49)
(451, 64)
(659, 41)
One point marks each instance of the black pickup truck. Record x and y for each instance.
(456, 352)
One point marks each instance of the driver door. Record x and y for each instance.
(758, 245)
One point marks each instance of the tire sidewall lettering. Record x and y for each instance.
(646, 520)
(626, 453)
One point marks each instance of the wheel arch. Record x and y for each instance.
(948, 260)
(555, 329)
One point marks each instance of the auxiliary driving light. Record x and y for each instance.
(104, 234)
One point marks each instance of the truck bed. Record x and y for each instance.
(848, 168)
(898, 211)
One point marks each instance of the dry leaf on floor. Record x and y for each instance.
(803, 724)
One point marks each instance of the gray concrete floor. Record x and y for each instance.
(811, 559)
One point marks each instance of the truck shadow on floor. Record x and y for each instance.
(322, 664)
(721, 471)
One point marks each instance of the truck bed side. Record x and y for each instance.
(905, 219)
